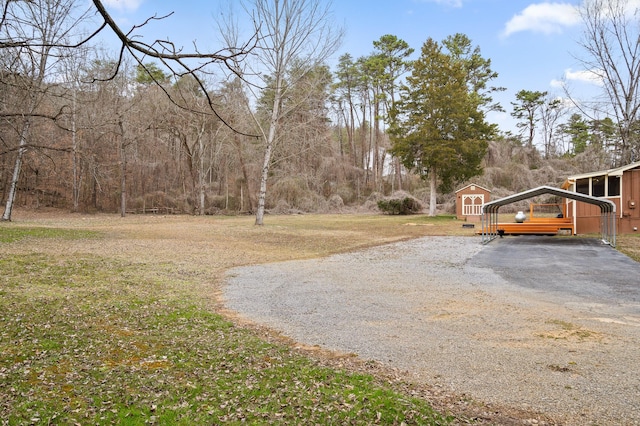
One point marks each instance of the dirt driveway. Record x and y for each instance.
(507, 324)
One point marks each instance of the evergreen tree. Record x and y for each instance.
(578, 131)
(478, 69)
(526, 110)
(439, 125)
(346, 90)
(150, 73)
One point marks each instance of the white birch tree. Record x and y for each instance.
(294, 37)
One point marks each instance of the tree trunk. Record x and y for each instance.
(262, 194)
(398, 173)
(13, 186)
(376, 143)
(201, 175)
(362, 158)
(352, 133)
(123, 172)
(75, 191)
(531, 132)
(245, 174)
(94, 191)
(271, 136)
(433, 179)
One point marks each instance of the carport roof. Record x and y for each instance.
(606, 206)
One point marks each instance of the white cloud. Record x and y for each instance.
(584, 76)
(129, 5)
(450, 3)
(565, 102)
(592, 77)
(556, 84)
(546, 18)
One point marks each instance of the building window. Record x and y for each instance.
(614, 186)
(582, 186)
(597, 186)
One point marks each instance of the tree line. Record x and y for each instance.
(264, 123)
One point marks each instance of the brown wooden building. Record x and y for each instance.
(620, 185)
(469, 201)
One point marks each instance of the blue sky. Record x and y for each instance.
(532, 44)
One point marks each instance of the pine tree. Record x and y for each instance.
(440, 128)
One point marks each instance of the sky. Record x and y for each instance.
(532, 45)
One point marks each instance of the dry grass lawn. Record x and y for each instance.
(109, 320)
(116, 320)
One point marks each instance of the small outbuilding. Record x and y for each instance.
(469, 201)
(621, 186)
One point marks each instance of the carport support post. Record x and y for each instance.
(489, 218)
(612, 227)
(608, 225)
(485, 235)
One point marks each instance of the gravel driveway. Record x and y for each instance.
(474, 320)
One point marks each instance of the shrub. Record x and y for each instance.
(312, 202)
(406, 205)
(346, 193)
(281, 207)
(336, 203)
(290, 189)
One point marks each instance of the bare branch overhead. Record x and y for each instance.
(178, 61)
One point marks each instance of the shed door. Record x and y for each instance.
(472, 204)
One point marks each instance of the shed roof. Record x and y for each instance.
(606, 206)
(473, 184)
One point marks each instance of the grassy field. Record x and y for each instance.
(105, 320)
(109, 320)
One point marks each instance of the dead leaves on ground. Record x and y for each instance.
(87, 340)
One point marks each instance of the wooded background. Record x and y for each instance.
(114, 132)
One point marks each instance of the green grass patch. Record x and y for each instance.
(10, 234)
(91, 340)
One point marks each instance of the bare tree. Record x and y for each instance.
(550, 113)
(308, 137)
(294, 37)
(198, 135)
(348, 76)
(31, 34)
(236, 101)
(72, 68)
(611, 42)
(34, 34)
(175, 58)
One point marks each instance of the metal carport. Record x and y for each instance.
(607, 209)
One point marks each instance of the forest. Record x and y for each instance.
(265, 124)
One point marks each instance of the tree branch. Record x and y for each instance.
(169, 55)
(164, 50)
